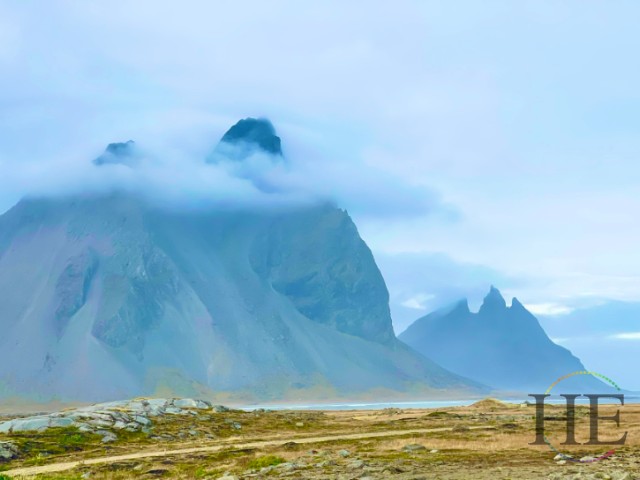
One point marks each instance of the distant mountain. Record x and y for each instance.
(111, 296)
(501, 346)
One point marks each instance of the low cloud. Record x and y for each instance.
(548, 308)
(626, 336)
(174, 178)
(418, 302)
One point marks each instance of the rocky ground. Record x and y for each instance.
(188, 439)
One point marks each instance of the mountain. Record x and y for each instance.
(501, 346)
(124, 153)
(113, 296)
(247, 137)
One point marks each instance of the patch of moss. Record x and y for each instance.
(200, 472)
(265, 461)
(439, 414)
(36, 446)
(60, 476)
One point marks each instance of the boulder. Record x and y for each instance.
(356, 465)
(8, 451)
(413, 447)
(186, 403)
(132, 415)
(107, 436)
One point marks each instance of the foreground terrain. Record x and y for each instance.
(187, 439)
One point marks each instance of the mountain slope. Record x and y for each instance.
(110, 296)
(501, 346)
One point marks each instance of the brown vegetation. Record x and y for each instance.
(489, 439)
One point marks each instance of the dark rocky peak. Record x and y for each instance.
(123, 153)
(258, 131)
(248, 136)
(516, 305)
(494, 301)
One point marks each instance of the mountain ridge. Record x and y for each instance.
(501, 346)
(111, 296)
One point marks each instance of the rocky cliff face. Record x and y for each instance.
(317, 259)
(111, 296)
(501, 346)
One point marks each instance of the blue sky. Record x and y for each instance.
(473, 142)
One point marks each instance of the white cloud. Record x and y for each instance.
(548, 309)
(418, 302)
(175, 177)
(626, 336)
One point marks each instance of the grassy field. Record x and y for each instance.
(486, 440)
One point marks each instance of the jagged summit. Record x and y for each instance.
(248, 136)
(259, 131)
(515, 304)
(494, 301)
(500, 346)
(123, 153)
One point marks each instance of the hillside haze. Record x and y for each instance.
(504, 347)
(110, 296)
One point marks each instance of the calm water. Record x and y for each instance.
(629, 399)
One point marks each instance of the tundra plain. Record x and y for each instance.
(488, 439)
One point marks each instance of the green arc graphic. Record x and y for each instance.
(548, 392)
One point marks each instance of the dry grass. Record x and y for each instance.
(506, 446)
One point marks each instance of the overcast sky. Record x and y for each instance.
(473, 142)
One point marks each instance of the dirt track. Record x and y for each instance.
(63, 466)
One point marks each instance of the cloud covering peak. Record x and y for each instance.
(123, 153)
(245, 170)
(246, 137)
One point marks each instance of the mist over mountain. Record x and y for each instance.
(112, 295)
(248, 136)
(501, 346)
(124, 153)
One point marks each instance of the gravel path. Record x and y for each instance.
(63, 466)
